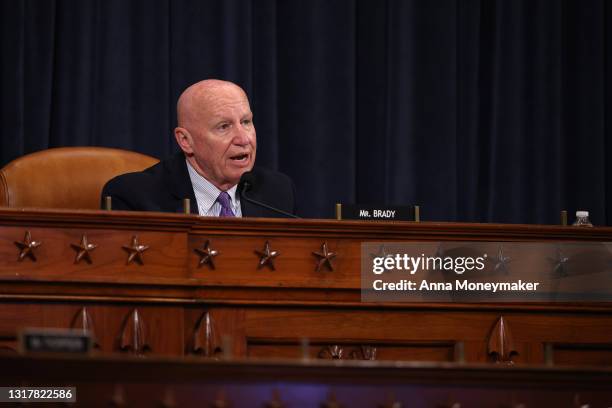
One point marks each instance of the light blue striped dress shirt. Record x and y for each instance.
(206, 195)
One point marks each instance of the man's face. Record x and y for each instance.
(223, 140)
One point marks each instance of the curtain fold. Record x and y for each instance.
(477, 110)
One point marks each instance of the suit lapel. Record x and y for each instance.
(179, 183)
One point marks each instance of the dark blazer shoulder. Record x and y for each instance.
(161, 187)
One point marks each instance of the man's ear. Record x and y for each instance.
(184, 140)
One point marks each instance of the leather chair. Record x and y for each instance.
(65, 177)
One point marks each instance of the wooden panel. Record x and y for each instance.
(242, 310)
(164, 261)
(408, 351)
(399, 329)
(582, 354)
(8, 345)
(238, 264)
(392, 325)
(571, 327)
(215, 333)
(164, 325)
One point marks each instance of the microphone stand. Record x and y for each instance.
(246, 185)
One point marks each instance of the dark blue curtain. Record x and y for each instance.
(476, 110)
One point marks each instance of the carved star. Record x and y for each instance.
(560, 262)
(83, 249)
(501, 261)
(135, 251)
(382, 253)
(267, 256)
(206, 255)
(325, 257)
(440, 252)
(27, 247)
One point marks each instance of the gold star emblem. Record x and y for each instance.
(27, 247)
(135, 251)
(325, 257)
(83, 250)
(267, 256)
(206, 255)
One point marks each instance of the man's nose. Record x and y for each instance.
(241, 136)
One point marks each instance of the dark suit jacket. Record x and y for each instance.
(163, 187)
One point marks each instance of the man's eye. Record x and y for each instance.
(247, 121)
(224, 126)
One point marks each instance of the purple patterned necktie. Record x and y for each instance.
(226, 208)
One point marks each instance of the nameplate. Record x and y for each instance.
(35, 340)
(377, 213)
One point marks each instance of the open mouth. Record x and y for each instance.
(240, 157)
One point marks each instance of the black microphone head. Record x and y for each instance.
(246, 181)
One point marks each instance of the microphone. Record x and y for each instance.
(246, 182)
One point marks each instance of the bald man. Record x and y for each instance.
(218, 145)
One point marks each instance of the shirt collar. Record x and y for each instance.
(206, 193)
